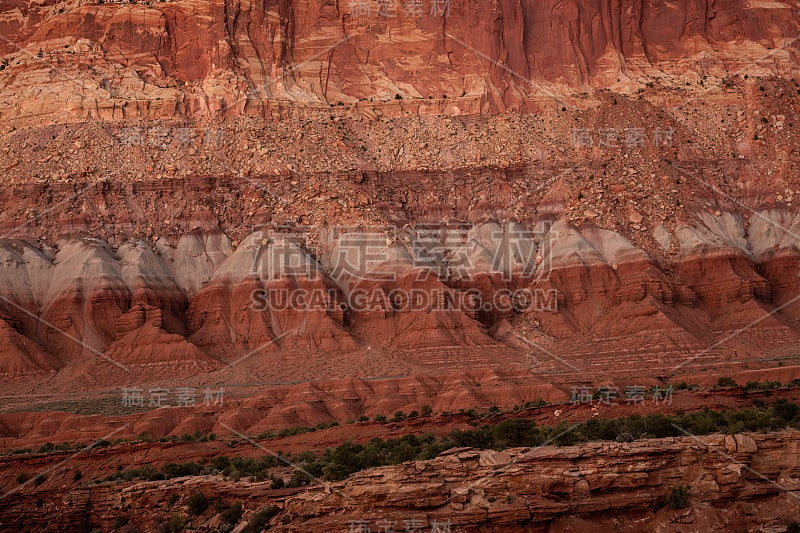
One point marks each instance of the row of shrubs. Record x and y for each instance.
(339, 462)
(197, 436)
(398, 416)
(49, 447)
(757, 385)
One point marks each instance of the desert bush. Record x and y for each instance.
(232, 513)
(537, 403)
(261, 519)
(189, 468)
(175, 524)
(678, 497)
(197, 503)
(297, 430)
(298, 479)
(763, 385)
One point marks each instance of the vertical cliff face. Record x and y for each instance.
(197, 58)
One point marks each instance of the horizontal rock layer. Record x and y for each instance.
(545, 296)
(532, 487)
(743, 480)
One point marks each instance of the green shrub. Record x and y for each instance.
(21, 478)
(175, 524)
(261, 519)
(232, 513)
(426, 410)
(297, 430)
(38, 480)
(189, 468)
(538, 403)
(678, 497)
(380, 418)
(197, 503)
(277, 483)
(298, 479)
(398, 416)
(765, 385)
(726, 382)
(45, 448)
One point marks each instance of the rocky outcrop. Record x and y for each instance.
(472, 490)
(744, 480)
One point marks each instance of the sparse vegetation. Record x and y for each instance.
(197, 503)
(761, 386)
(261, 519)
(230, 513)
(175, 524)
(726, 382)
(678, 497)
(299, 479)
(339, 462)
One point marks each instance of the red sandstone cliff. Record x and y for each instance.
(72, 60)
